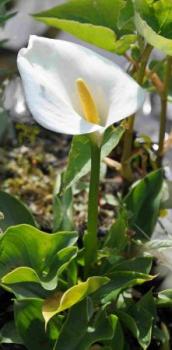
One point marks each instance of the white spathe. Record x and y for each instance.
(49, 70)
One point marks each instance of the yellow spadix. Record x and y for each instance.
(87, 102)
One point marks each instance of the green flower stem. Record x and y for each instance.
(90, 241)
(163, 115)
(128, 138)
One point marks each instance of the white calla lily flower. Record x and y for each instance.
(73, 90)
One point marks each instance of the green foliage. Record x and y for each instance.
(34, 267)
(79, 162)
(120, 281)
(143, 203)
(86, 19)
(117, 235)
(9, 334)
(29, 255)
(139, 319)
(30, 324)
(14, 211)
(43, 272)
(62, 207)
(60, 302)
(3, 13)
(84, 330)
(153, 20)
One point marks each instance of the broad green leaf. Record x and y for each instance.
(42, 256)
(24, 290)
(143, 202)
(126, 23)
(124, 43)
(30, 325)
(162, 336)
(111, 139)
(129, 322)
(148, 302)
(25, 283)
(27, 274)
(81, 333)
(118, 338)
(139, 319)
(140, 264)
(100, 36)
(19, 275)
(62, 207)
(86, 20)
(62, 301)
(153, 21)
(79, 163)
(165, 298)
(117, 235)
(126, 16)
(9, 334)
(15, 212)
(142, 331)
(120, 281)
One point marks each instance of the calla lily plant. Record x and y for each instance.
(71, 89)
